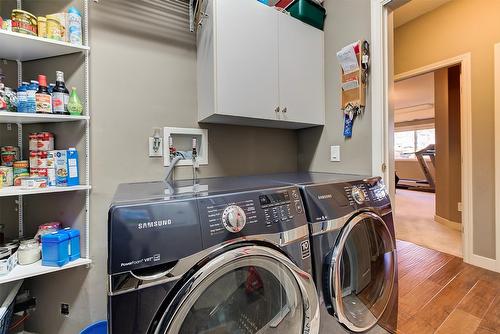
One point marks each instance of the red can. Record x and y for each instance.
(45, 141)
(33, 142)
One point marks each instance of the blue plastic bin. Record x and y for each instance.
(100, 327)
(74, 243)
(55, 249)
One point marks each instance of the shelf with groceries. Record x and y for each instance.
(44, 170)
(26, 36)
(52, 248)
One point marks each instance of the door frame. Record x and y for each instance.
(382, 79)
(497, 153)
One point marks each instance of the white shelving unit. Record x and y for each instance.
(25, 118)
(36, 269)
(25, 47)
(21, 48)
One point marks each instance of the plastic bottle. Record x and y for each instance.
(74, 26)
(43, 98)
(60, 95)
(31, 97)
(75, 106)
(22, 97)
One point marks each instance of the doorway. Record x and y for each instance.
(427, 159)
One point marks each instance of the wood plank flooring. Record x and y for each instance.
(438, 293)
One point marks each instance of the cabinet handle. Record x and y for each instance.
(284, 110)
(277, 110)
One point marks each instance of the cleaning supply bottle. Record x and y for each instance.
(60, 95)
(75, 106)
(42, 96)
(31, 96)
(74, 26)
(22, 97)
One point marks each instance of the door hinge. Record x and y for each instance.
(384, 167)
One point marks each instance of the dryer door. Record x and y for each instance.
(362, 272)
(250, 289)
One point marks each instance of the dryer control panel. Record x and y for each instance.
(231, 216)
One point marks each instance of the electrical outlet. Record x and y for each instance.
(155, 147)
(335, 153)
(65, 309)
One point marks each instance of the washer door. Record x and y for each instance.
(362, 272)
(247, 290)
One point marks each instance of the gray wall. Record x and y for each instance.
(142, 76)
(347, 22)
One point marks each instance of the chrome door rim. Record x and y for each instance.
(336, 295)
(303, 280)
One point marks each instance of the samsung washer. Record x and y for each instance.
(354, 250)
(226, 255)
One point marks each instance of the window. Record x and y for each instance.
(406, 143)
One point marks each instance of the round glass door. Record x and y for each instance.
(362, 272)
(250, 294)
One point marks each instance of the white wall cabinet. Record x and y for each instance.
(259, 67)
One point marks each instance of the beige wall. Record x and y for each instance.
(409, 169)
(456, 28)
(448, 156)
(142, 75)
(314, 144)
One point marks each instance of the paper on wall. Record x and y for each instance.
(347, 58)
(351, 84)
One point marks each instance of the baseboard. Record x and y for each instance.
(448, 223)
(484, 262)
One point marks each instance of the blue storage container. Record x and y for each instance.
(55, 249)
(74, 243)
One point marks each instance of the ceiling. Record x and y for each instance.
(414, 9)
(414, 98)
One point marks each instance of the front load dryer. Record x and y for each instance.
(220, 256)
(354, 250)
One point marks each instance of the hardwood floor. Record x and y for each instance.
(438, 293)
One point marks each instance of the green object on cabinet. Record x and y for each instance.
(75, 106)
(309, 12)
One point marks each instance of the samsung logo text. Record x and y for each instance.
(154, 224)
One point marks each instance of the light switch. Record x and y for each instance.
(335, 153)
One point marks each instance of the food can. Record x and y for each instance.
(39, 172)
(45, 141)
(7, 175)
(9, 154)
(33, 142)
(42, 26)
(34, 182)
(21, 167)
(24, 22)
(41, 159)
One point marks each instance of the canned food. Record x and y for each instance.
(34, 159)
(7, 175)
(33, 142)
(45, 141)
(9, 154)
(51, 169)
(41, 159)
(54, 28)
(21, 170)
(39, 172)
(42, 26)
(24, 22)
(34, 182)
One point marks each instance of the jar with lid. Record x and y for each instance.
(28, 252)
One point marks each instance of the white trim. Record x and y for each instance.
(380, 115)
(497, 153)
(202, 158)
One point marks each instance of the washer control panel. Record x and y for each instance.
(234, 218)
(225, 217)
(280, 206)
(356, 194)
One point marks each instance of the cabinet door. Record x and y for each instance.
(301, 71)
(246, 59)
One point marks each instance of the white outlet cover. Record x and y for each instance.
(335, 153)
